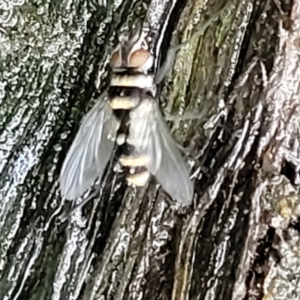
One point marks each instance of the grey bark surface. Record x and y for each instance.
(238, 78)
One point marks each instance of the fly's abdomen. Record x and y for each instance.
(138, 174)
(139, 178)
(125, 103)
(153, 151)
(140, 81)
(124, 98)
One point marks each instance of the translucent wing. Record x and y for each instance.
(90, 151)
(150, 136)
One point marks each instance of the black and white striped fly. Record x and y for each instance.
(128, 115)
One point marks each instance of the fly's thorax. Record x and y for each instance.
(133, 53)
(132, 63)
(140, 60)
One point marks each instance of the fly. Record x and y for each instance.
(128, 115)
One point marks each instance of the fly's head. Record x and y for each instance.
(133, 52)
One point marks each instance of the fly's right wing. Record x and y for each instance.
(151, 138)
(90, 151)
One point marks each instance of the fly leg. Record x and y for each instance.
(190, 155)
(186, 116)
(197, 166)
(171, 55)
(66, 215)
(168, 63)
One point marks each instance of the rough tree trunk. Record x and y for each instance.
(240, 74)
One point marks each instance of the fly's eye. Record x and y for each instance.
(116, 60)
(138, 58)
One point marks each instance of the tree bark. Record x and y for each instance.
(238, 79)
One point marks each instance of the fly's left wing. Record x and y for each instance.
(150, 137)
(90, 151)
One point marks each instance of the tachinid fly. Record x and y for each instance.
(127, 114)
